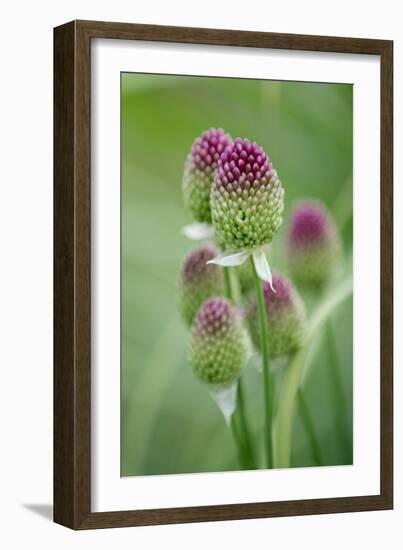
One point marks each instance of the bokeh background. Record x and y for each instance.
(169, 423)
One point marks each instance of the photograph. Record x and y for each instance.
(236, 274)
(199, 339)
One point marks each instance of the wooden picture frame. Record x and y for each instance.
(72, 274)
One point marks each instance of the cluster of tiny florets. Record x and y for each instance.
(247, 198)
(218, 347)
(313, 244)
(199, 280)
(286, 318)
(199, 172)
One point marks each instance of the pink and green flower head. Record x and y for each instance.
(247, 201)
(199, 281)
(199, 172)
(285, 315)
(313, 244)
(219, 346)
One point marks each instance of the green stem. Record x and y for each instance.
(245, 428)
(337, 384)
(310, 429)
(298, 369)
(238, 442)
(242, 436)
(267, 385)
(228, 286)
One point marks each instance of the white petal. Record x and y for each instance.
(198, 231)
(230, 259)
(262, 267)
(225, 399)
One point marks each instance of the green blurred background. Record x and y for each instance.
(170, 424)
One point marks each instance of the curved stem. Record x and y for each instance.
(267, 385)
(310, 429)
(298, 369)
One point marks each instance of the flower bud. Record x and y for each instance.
(313, 244)
(199, 172)
(247, 197)
(199, 281)
(218, 347)
(285, 315)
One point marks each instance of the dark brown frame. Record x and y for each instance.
(72, 267)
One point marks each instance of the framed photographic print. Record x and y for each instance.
(223, 295)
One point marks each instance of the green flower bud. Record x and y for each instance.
(313, 245)
(286, 318)
(219, 346)
(247, 198)
(199, 172)
(199, 281)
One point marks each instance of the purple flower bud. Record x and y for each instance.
(313, 244)
(286, 318)
(199, 172)
(218, 347)
(199, 280)
(247, 198)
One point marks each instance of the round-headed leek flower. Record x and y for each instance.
(285, 315)
(199, 172)
(219, 346)
(247, 198)
(199, 281)
(247, 201)
(313, 244)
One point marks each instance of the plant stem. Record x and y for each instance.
(228, 286)
(310, 429)
(267, 385)
(238, 443)
(242, 437)
(298, 369)
(245, 428)
(337, 383)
